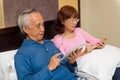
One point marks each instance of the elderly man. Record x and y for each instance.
(37, 58)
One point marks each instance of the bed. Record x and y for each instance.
(11, 39)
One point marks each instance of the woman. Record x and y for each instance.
(70, 36)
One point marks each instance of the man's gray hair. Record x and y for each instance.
(23, 19)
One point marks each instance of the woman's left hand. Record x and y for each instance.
(72, 57)
(101, 44)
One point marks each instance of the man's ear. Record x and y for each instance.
(25, 29)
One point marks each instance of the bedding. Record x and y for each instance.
(7, 69)
(100, 63)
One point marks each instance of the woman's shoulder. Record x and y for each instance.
(58, 36)
(57, 39)
(78, 28)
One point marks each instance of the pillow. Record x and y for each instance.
(7, 69)
(100, 63)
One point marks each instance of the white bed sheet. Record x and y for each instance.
(7, 69)
(100, 63)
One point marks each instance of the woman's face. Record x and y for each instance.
(70, 24)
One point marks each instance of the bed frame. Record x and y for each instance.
(11, 37)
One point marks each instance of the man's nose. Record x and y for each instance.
(42, 28)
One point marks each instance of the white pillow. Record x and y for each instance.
(100, 63)
(7, 68)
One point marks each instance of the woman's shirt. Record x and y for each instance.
(81, 37)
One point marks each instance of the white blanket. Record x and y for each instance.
(100, 63)
(7, 69)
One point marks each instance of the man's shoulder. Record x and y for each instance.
(49, 42)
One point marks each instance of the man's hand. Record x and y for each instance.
(54, 62)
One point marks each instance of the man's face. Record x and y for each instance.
(35, 31)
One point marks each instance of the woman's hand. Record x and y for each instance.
(101, 44)
(75, 54)
(89, 48)
(54, 62)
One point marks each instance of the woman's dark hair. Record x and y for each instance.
(66, 12)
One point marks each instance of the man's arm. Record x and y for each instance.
(71, 67)
(24, 72)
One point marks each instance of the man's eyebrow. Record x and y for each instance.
(42, 23)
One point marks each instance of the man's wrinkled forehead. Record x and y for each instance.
(37, 17)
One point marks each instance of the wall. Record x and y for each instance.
(101, 18)
(12, 9)
(73, 3)
(1, 14)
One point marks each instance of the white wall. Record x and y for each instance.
(101, 18)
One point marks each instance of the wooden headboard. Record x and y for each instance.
(11, 37)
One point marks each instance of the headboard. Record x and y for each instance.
(11, 37)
